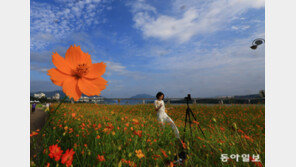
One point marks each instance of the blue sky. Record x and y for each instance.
(175, 46)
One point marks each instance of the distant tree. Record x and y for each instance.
(43, 100)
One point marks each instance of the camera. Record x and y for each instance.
(188, 98)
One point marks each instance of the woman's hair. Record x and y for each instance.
(159, 94)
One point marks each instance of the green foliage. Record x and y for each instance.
(113, 131)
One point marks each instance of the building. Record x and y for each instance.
(39, 95)
(84, 99)
(56, 96)
(97, 99)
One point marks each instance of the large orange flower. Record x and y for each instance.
(77, 74)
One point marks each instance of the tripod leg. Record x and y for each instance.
(185, 125)
(198, 125)
(190, 127)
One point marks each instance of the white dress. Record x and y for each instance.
(163, 117)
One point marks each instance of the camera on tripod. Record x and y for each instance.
(188, 98)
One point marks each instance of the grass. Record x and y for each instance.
(118, 132)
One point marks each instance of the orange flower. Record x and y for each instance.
(101, 158)
(138, 133)
(139, 154)
(55, 152)
(135, 121)
(258, 164)
(77, 74)
(33, 134)
(67, 158)
(183, 144)
(248, 138)
(164, 153)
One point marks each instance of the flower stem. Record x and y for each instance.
(60, 104)
(50, 116)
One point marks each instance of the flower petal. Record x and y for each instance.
(56, 76)
(92, 87)
(75, 56)
(100, 82)
(61, 64)
(70, 88)
(96, 70)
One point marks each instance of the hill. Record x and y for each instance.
(142, 96)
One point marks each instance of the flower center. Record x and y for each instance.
(81, 70)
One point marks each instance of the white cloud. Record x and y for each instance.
(62, 18)
(196, 19)
(114, 67)
(117, 69)
(240, 27)
(39, 68)
(235, 53)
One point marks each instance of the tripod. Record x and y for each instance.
(188, 113)
(183, 154)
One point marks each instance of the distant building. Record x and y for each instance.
(56, 96)
(84, 99)
(39, 95)
(87, 99)
(97, 99)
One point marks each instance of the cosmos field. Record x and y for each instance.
(129, 135)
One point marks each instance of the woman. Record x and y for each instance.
(33, 107)
(47, 107)
(162, 115)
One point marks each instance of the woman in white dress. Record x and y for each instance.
(162, 115)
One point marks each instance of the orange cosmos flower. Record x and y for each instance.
(258, 164)
(77, 74)
(183, 144)
(67, 158)
(138, 133)
(139, 154)
(101, 158)
(135, 121)
(55, 152)
(164, 153)
(33, 134)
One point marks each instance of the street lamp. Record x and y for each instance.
(257, 42)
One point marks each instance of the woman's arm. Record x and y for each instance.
(157, 108)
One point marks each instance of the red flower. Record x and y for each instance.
(163, 152)
(101, 158)
(258, 164)
(55, 152)
(248, 138)
(138, 133)
(67, 158)
(183, 144)
(33, 134)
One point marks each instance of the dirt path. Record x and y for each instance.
(37, 119)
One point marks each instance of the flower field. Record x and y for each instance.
(129, 135)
